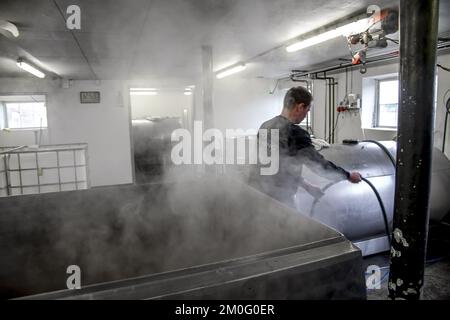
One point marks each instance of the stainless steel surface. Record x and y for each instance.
(152, 146)
(353, 209)
(202, 238)
(280, 274)
(373, 246)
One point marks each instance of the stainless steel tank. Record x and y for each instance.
(152, 146)
(213, 238)
(353, 209)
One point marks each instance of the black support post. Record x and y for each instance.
(418, 40)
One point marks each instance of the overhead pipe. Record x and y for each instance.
(207, 85)
(329, 109)
(308, 87)
(418, 29)
(375, 59)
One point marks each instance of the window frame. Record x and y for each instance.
(376, 111)
(4, 111)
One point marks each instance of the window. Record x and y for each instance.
(387, 103)
(307, 121)
(23, 114)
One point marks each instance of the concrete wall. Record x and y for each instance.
(104, 126)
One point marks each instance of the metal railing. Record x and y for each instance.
(52, 168)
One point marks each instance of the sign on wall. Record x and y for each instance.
(90, 96)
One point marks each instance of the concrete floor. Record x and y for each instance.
(437, 269)
(436, 286)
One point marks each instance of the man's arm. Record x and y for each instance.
(308, 155)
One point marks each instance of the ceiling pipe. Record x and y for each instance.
(393, 55)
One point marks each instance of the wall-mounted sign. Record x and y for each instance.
(90, 97)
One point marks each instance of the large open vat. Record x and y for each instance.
(204, 238)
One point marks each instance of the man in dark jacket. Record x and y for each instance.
(295, 150)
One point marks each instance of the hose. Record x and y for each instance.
(445, 131)
(375, 191)
(382, 147)
(383, 209)
(316, 199)
(380, 201)
(447, 112)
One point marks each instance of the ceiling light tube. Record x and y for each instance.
(188, 93)
(9, 27)
(143, 93)
(29, 68)
(143, 89)
(230, 71)
(345, 30)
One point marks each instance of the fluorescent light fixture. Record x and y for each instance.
(345, 30)
(143, 89)
(9, 27)
(29, 68)
(188, 93)
(230, 71)
(143, 93)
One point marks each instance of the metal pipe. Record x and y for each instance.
(328, 98)
(418, 29)
(207, 83)
(11, 150)
(326, 109)
(330, 109)
(375, 59)
(333, 109)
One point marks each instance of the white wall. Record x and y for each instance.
(23, 137)
(244, 103)
(349, 125)
(164, 104)
(104, 126)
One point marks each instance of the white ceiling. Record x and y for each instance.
(162, 39)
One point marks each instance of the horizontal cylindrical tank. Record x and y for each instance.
(353, 209)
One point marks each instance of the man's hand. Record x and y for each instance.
(355, 177)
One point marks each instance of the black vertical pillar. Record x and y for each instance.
(418, 39)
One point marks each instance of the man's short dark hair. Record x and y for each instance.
(295, 96)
